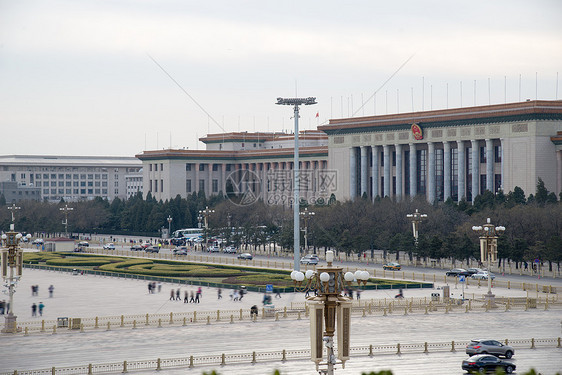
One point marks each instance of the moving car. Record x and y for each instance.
(37, 241)
(181, 250)
(245, 256)
(137, 248)
(213, 249)
(393, 266)
(109, 246)
(458, 272)
(310, 259)
(483, 275)
(152, 249)
(83, 244)
(474, 270)
(489, 347)
(485, 362)
(230, 250)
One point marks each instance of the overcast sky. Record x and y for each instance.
(77, 78)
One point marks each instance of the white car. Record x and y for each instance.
(109, 246)
(230, 250)
(213, 249)
(483, 275)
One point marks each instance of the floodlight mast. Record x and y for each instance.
(295, 102)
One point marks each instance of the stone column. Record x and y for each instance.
(490, 165)
(431, 172)
(386, 158)
(364, 170)
(413, 170)
(196, 187)
(446, 170)
(223, 178)
(210, 184)
(352, 173)
(475, 169)
(558, 171)
(461, 170)
(398, 171)
(375, 171)
(502, 143)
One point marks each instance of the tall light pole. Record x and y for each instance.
(488, 252)
(327, 308)
(205, 214)
(12, 258)
(416, 218)
(65, 210)
(13, 209)
(306, 216)
(169, 219)
(295, 102)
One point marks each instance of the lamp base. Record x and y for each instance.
(10, 324)
(490, 300)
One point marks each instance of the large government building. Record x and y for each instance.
(454, 153)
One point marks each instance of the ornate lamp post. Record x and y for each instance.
(306, 216)
(488, 252)
(169, 219)
(295, 102)
(205, 215)
(13, 209)
(416, 218)
(327, 308)
(65, 210)
(12, 259)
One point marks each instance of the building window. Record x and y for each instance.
(201, 167)
(75, 176)
(161, 166)
(68, 176)
(482, 155)
(97, 176)
(215, 186)
(201, 185)
(228, 167)
(497, 182)
(83, 191)
(104, 191)
(61, 183)
(150, 167)
(61, 176)
(53, 176)
(82, 183)
(104, 177)
(498, 154)
(38, 176)
(53, 191)
(83, 176)
(161, 186)
(116, 191)
(97, 191)
(188, 167)
(90, 183)
(23, 175)
(215, 167)
(188, 186)
(68, 183)
(68, 191)
(155, 167)
(75, 191)
(45, 191)
(90, 191)
(53, 183)
(38, 184)
(61, 191)
(104, 183)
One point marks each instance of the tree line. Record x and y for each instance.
(533, 223)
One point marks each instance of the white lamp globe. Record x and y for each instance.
(365, 275)
(324, 277)
(309, 274)
(299, 276)
(349, 276)
(357, 275)
(18, 236)
(329, 256)
(4, 236)
(293, 275)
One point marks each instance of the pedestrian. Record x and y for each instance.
(241, 294)
(231, 295)
(277, 293)
(154, 287)
(358, 294)
(253, 311)
(159, 286)
(185, 299)
(235, 296)
(149, 288)
(172, 295)
(197, 295)
(51, 290)
(178, 296)
(34, 309)
(2, 307)
(219, 293)
(41, 307)
(191, 297)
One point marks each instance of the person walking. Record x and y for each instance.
(41, 307)
(197, 295)
(172, 295)
(178, 295)
(159, 286)
(191, 297)
(149, 288)
(277, 293)
(34, 309)
(51, 290)
(185, 297)
(219, 293)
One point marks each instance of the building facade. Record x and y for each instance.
(14, 192)
(454, 153)
(250, 166)
(71, 178)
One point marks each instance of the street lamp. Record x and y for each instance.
(306, 216)
(416, 218)
(295, 102)
(169, 226)
(488, 252)
(12, 209)
(65, 210)
(204, 214)
(12, 258)
(327, 308)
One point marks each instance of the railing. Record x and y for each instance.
(296, 311)
(274, 356)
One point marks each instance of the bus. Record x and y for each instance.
(190, 234)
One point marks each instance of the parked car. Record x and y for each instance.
(109, 246)
(483, 275)
(485, 362)
(457, 272)
(152, 249)
(37, 241)
(310, 259)
(178, 241)
(474, 270)
(230, 250)
(245, 256)
(137, 248)
(489, 347)
(181, 250)
(393, 266)
(213, 249)
(83, 244)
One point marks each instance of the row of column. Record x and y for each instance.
(431, 169)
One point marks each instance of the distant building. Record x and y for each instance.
(250, 165)
(71, 178)
(451, 153)
(14, 192)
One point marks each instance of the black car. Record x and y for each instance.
(137, 248)
(458, 272)
(483, 363)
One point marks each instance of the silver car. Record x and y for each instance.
(489, 347)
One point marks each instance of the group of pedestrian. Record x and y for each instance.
(192, 297)
(35, 308)
(152, 287)
(35, 290)
(237, 295)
